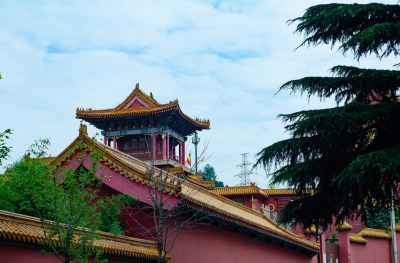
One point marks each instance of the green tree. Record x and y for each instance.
(66, 202)
(349, 155)
(4, 149)
(380, 218)
(209, 174)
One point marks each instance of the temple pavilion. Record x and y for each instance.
(145, 129)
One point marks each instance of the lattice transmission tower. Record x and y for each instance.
(245, 172)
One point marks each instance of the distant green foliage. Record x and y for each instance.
(349, 155)
(39, 148)
(27, 180)
(4, 149)
(218, 184)
(209, 174)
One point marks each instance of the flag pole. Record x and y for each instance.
(393, 228)
(195, 141)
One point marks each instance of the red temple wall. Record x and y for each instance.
(15, 254)
(212, 244)
(280, 201)
(140, 222)
(375, 251)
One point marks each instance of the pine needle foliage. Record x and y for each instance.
(361, 28)
(348, 155)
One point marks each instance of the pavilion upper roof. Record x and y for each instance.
(136, 105)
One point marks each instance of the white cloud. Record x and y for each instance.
(222, 60)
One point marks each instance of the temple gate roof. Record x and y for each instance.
(191, 192)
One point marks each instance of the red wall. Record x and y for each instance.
(212, 244)
(13, 254)
(375, 251)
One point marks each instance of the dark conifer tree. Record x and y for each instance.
(349, 155)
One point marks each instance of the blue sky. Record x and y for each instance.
(223, 60)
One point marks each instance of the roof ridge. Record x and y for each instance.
(28, 229)
(137, 91)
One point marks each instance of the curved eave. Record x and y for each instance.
(126, 113)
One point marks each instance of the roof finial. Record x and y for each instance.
(83, 129)
(137, 85)
(151, 95)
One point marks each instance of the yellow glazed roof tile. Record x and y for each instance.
(252, 189)
(28, 229)
(271, 192)
(358, 238)
(344, 226)
(312, 230)
(375, 233)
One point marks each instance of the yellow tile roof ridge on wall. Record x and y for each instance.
(344, 226)
(375, 233)
(28, 229)
(283, 191)
(358, 238)
(252, 189)
(135, 169)
(312, 230)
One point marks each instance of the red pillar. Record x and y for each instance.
(164, 146)
(105, 140)
(183, 153)
(153, 135)
(167, 145)
(344, 246)
(115, 142)
(322, 248)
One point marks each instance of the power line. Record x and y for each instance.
(245, 172)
